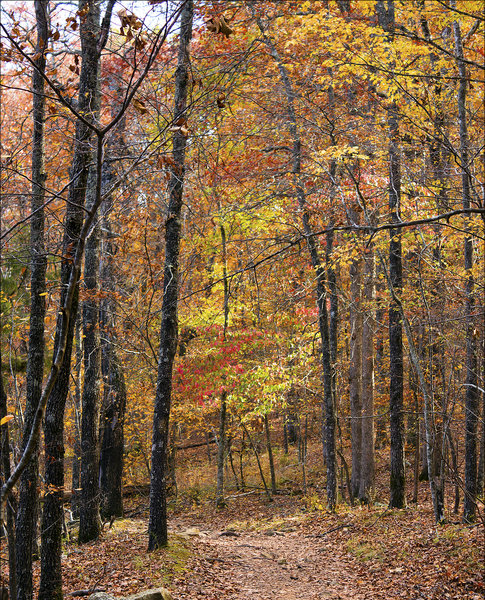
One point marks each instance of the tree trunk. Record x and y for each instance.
(397, 480)
(76, 459)
(222, 442)
(221, 451)
(52, 516)
(355, 371)
(27, 514)
(471, 382)
(321, 289)
(157, 528)
(270, 455)
(111, 435)
(367, 472)
(89, 519)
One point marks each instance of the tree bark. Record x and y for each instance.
(222, 442)
(27, 514)
(471, 382)
(52, 516)
(76, 459)
(221, 452)
(355, 371)
(367, 470)
(114, 388)
(89, 519)
(397, 475)
(270, 455)
(157, 528)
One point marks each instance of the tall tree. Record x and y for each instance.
(471, 382)
(157, 527)
(89, 519)
(321, 284)
(51, 528)
(114, 386)
(397, 499)
(367, 467)
(27, 514)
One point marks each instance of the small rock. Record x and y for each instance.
(156, 594)
(101, 596)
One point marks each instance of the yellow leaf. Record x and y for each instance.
(6, 419)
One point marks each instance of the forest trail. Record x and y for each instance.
(264, 567)
(272, 562)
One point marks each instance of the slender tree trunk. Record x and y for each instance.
(114, 388)
(256, 454)
(112, 433)
(221, 451)
(89, 519)
(471, 382)
(76, 459)
(397, 482)
(355, 371)
(27, 514)
(157, 528)
(52, 515)
(367, 472)
(321, 283)
(270, 455)
(222, 442)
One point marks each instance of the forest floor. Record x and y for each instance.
(287, 549)
(290, 548)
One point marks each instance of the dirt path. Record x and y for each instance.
(268, 564)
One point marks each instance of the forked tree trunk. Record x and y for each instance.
(157, 527)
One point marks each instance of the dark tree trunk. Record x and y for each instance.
(221, 453)
(52, 516)
(355, 369)
(157, 528)
(89, 519)
(222, 441)
(112, 435)
(367, 472)
(114, 387)
(27, 514)
(471, 382)
(397, 482)
(270, 455)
